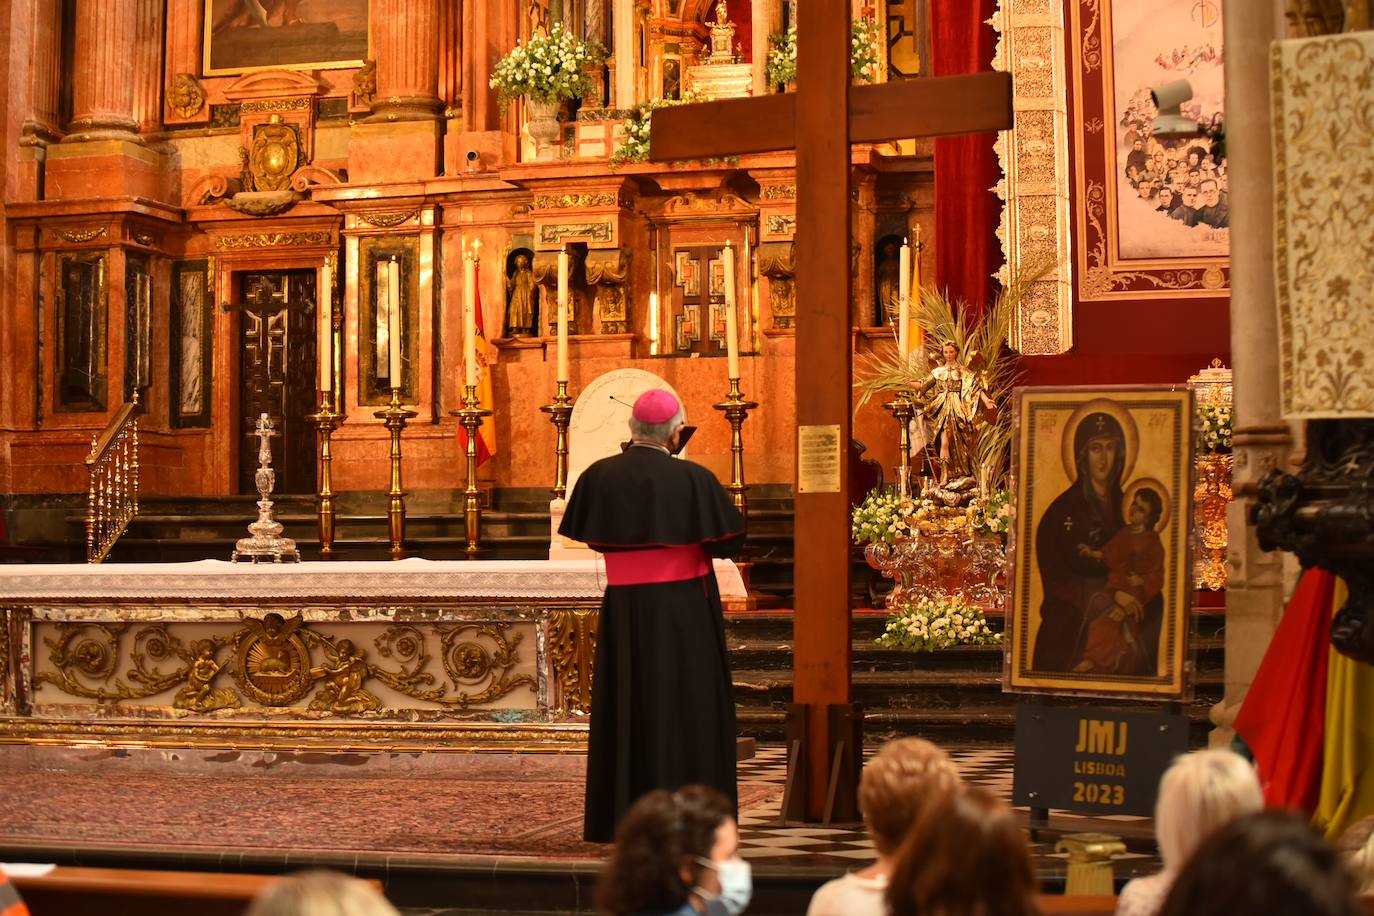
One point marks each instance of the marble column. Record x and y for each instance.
(405, 36)
(42, 124)
(626, 67)
(1256, 589)
(759, 26)
(102, 87)
(147, 75)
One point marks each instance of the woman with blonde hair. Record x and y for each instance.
(320, 893)
(1198, 795)
(901, 780)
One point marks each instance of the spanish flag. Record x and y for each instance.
(1309, 714)
(486, 433)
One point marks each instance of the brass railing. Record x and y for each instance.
(112, 493)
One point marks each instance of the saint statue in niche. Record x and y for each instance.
(521, 296)
(888, 280)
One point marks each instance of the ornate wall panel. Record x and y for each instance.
(82, 313)
(1035, 165)
(192, 320)
(1141, 225)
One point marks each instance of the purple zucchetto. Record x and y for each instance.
(655, 406)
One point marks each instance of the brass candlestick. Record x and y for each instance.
(903, 408)
(326, 421)
(396, 416)
(736, 408)
(560, 411)
(471, 417)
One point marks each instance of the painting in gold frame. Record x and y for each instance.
(1100, 591)
(1129, 245)
(242, 36)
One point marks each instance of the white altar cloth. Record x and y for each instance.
(412, 578)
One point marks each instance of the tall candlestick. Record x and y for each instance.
(469, 321)
(904, 301)
(731, 321)
(562, 316)
(325, 354)
(920, 341)
(393, 319)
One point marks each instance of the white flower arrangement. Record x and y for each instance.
(548, 68)
(1214, 428)
(993, 515)
(929, 624)
(634, 145)
(883, 517)
(864, 61)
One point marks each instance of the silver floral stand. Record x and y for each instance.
(945, 565)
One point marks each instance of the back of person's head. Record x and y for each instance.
(1268, 862)
(663, 836)
(901, 780)
(320, 893)
(966, 856)
(1198, 795)
(1356, 847)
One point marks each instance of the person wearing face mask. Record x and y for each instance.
(676, 854)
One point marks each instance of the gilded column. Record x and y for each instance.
(147, 72)
(1255, 590)
(102, 87)
(405, 34)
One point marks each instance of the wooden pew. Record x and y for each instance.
(91, 891)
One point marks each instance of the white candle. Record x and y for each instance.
(469, 321)
(325, 350)
(904, 300)
(394, 323)
(731, 322)
(562, 316)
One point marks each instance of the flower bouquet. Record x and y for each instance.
(549, 67)
(931, 624)
(864, 62)
(1214, 428)
(882, 518)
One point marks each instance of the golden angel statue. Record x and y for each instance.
(952, 399)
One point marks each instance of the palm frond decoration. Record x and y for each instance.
(981, 345)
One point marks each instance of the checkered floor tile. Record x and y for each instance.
(770, 843)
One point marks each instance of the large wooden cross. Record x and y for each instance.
(821, 119)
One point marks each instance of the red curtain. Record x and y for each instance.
(966, 212)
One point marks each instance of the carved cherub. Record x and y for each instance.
(198, 695)
(344, 671)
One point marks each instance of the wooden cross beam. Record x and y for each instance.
(821, 119)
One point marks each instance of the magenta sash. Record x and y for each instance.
(656, 564)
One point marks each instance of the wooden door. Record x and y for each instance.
(277, 375)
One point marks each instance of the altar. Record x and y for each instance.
(415, 654)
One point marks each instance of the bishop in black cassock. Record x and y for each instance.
(663, 709)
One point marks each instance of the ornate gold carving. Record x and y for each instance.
(607, 271)
(713, 202)
(274, 155)
(778, 262)
(780, 224)
(365, 83)
(6, 669)
(84, 652)
(554, 233)
(1034, 158)
(143, 238)
(272, 663)
(572, 650)
(83, 234)
(1211, 497)
(384, 220)
(569, 201)
(780, 192)
(1322, 93)
(198, 695)
(185, 96)
(266, 106)
(271, 240)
